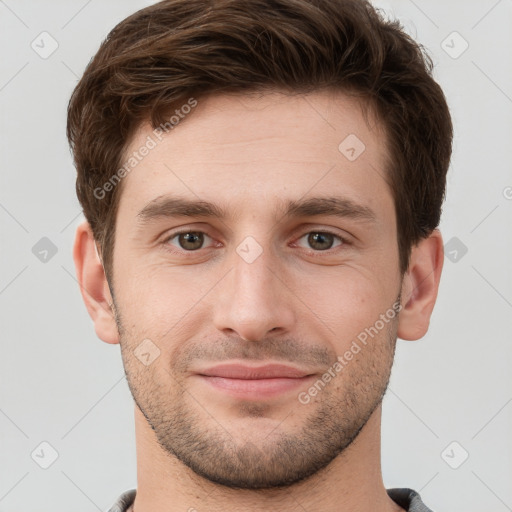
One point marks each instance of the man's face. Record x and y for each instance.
(259, 286)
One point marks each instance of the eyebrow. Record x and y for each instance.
(170, 207)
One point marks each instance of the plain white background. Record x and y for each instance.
(450, 395)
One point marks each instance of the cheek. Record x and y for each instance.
(163, 303)
(346, 302)
(158, 298)
(341, 300)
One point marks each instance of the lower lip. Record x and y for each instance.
(256, 388)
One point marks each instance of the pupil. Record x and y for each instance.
(191, 240)
(316, 240)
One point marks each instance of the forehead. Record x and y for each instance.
(251, 149)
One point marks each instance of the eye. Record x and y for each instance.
(193, 240)
(322, 240)
(188, 240)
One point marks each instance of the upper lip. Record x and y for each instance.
(240, 371)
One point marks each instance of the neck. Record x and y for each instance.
(352, 482)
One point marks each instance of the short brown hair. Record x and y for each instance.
(155, 59)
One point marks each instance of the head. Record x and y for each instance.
(313, 143)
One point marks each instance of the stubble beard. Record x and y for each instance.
(188, 430)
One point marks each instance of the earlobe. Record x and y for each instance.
(93, 284)
(420, 286)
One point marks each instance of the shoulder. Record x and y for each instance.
(408, 499)
(124, 501)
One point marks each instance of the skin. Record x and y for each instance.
(198, 447)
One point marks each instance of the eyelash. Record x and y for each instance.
(172, 236)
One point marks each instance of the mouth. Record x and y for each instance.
(250, 382)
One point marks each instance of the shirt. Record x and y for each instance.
(407, 498)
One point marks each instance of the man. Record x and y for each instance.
(262, 182)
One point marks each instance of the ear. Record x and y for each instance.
(419, 287)
(93, 284)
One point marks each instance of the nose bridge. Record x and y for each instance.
(254, 269)
(254, 300)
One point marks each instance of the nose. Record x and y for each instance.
(253, 301)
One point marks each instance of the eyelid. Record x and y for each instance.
(305, 231)
(322, 228)
(174, 234)
(344, 240)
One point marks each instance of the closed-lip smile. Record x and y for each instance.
(254, 382)
(239, 371)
